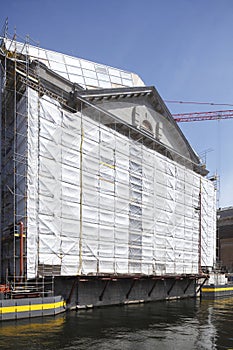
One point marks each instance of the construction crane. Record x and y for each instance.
(201, 116)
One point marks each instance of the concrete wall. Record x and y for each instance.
(86, 292)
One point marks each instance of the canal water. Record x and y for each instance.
(183, 324)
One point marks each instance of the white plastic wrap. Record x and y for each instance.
(99, 202)
(32, 186)
(208, 223)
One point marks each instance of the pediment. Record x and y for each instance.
(144, 109)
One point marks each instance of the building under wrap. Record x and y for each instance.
(112, 200)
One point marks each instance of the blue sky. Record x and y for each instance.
(182, 47)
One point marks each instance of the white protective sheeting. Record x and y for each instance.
(99, 202)
(32, 185)
(208, 223)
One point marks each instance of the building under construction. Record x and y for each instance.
(99, 187)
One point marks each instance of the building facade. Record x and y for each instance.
(225, 238)
(98, 182)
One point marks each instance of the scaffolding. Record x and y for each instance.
(86, 193)
(14, 160)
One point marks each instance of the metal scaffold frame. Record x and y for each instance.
(64, 157)
(14, 160)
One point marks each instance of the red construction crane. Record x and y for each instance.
(201, 116)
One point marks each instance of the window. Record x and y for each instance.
(147, 127)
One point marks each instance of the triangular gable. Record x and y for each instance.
(144, 109)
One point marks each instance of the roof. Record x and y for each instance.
(86, 73)
(54, 69)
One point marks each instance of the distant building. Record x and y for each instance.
(99, 177)
(225, 233)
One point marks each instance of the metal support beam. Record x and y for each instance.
(131, 287)
(153, 287)
(188, 284)
(74, 284)
(170, 289)
(198, 290)
(104, 289)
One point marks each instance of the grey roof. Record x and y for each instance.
(86, 73)
(71, 92)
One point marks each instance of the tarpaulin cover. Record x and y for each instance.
(100, 202)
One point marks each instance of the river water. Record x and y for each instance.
(182, 324)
